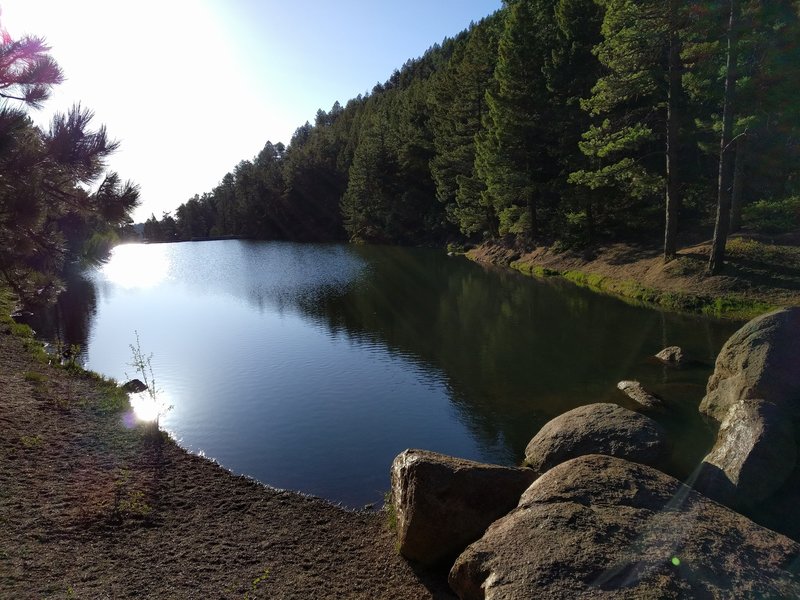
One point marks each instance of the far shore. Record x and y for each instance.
(760, 274)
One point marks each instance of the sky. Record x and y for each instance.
(192, 87)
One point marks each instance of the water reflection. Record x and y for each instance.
(311, 366)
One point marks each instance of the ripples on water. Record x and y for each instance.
(310, 367)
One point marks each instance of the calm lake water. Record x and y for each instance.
(310, 367)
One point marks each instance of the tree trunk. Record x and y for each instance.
(532, 210)
(726, 153)
(673, 124)
(738, 185)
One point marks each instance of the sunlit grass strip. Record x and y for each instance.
(728, 306)
(111, 399)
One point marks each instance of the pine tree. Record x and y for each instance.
(637, 104)
(459, 107)
(514, 158)
(371, 189)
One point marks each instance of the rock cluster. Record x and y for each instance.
(601, 526)
(591, 515)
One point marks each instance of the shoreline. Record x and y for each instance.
(747, 288)
(93, 505)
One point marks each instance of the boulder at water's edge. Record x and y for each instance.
(754, 455)
(761, 361)
(601, 428)
(443, 503)
(754, 393)
(599, 526)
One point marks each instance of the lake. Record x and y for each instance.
(311, 366)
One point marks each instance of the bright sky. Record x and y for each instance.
(191, 87)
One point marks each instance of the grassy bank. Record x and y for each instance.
(759, 276)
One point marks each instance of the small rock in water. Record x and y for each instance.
(635, 391)
(672, 355)
(134, 386)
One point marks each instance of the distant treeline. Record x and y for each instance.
(552, 120)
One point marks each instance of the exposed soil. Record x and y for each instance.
(93, 508)
(758, 271)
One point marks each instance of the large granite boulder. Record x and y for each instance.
(754, 455)
(599, 526)
(598, 429)
(755, 394)
(442, 503)
(761, 361)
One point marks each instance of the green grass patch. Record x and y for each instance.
(34, 377)
(733, 307)
(390, 510)
(595, 282)
(762, 252)
(21, 330)
(31, 441)
(533, 270)
(729, 307)
(112, 398)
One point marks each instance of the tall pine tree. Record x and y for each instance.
(637, 103)
(513, 154)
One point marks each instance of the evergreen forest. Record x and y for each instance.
(561, 122)
(564, 123)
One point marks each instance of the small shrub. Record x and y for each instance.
(773, 216)
(142, 363)
(35, 377)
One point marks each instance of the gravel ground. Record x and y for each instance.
(92, 507)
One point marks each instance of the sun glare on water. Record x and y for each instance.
(136, 266)
(144, 407)
(147, 409)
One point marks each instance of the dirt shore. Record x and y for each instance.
(94, 506)
(760, 273)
